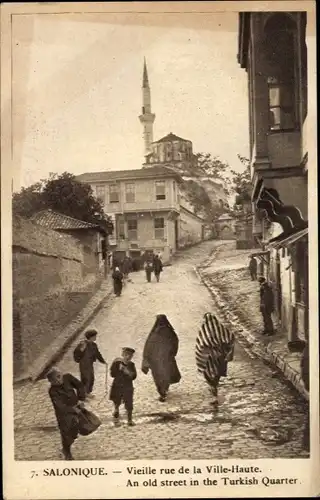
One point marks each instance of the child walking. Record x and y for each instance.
(123, 371)
(86, 354)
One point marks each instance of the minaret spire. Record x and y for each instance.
(145, 80)
(147, 117)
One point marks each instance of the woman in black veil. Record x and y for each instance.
(159, 355)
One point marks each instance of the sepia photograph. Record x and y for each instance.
(160, 240)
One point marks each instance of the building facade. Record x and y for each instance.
(144, 206)
(273, 51)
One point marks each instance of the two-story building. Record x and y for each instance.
(273, 51)
(144, 206)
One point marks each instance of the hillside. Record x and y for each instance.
(201, 193)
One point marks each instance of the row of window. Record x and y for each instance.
(132, 229)
(113, 192)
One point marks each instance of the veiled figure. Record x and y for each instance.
(159, 354)
(214, 350)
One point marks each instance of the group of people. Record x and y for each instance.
(214, 349)
(121, 271)
(68, 394)
(153, 265)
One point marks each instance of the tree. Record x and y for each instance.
(63, 194)
(241, 183)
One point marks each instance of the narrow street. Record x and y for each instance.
(253, 401)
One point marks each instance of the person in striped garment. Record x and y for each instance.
(214, 349)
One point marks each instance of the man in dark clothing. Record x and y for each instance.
(157, 267)
(86, 354)
(66, 392)
(266, 306)
(123, 371)
(253, 268)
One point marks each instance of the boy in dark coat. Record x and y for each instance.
(86, 354)
(66, 392)
(123, 371)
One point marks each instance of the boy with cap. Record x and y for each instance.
(86, 354)
(123, 371)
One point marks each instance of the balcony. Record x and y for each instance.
(142, 206)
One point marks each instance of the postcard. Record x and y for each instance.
(160, 292)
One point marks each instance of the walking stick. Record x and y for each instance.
(106, 386)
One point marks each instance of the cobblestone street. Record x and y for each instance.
(253, 402)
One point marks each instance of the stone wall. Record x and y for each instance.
(50, 286)
(190, 229)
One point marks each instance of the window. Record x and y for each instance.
(281, 33)
(281, 106)
(121, 231)
(159, 228)
(130, 192)
(114, 193)
(160, 190)
(133, 229)
(101, 193)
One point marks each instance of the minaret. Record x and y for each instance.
(146, 118)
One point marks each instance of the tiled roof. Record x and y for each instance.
(54, 220)
(170, 137)
(118, 175)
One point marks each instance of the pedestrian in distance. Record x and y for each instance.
(157, 267)
(148, 269)
(123, 372)
(266, 306)
(214, 350)
(66, 393)
(159, 355)
(86, 354)
(253, 267)
(126, 267)
(117, 277)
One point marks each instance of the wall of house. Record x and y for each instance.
(50, 286)
(91, 242)
(146, 236)
(145, 196)
(190, 229)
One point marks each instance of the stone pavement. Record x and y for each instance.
(259, 415)
(227, 277)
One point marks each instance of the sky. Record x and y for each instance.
(76, 89)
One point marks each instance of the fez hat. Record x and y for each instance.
(90, 334)
(129, 350)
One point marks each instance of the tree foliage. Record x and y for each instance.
(63, 194)
(242, 185)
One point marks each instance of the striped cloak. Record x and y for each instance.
(214, 348)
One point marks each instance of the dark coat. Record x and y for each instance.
(86, 359)
(253, 265)
(126, 266)
(122, 385)
(157, 265)
(159, 354)
(64, 398)
(117, 277)
(266, 298)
